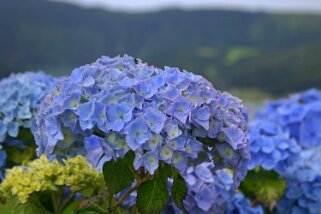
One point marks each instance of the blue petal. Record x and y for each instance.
(86, 110)
(150, 161)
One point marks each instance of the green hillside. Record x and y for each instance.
(272, 52)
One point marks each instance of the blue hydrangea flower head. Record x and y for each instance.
(285, 137)
(271, 146)
(299, 114)
(20, 98)
(126, 105)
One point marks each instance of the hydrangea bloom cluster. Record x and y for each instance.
(42, 175)
(271, 146)
(286, 137)
(300, 115)
(285, 128)
(161, 114)
(20, 96)
(303, 192)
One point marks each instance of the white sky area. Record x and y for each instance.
(313, 6)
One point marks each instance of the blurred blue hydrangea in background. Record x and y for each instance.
(285, 137)
(300, 115)
(303, 192)
(271, 146)
(20, 97)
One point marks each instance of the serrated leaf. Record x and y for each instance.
(164, 170)
(71, 208)
(152, 196)
(264, 186)
(178, 191)
(118, 174)
(13, 206)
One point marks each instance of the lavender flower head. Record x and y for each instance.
(121, 104)
(20, 97)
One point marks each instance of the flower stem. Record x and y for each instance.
(99, 133)
(55, 201)
(36, 201)
(121, 200)
(98, 208)
(66, 201)
(139, 183)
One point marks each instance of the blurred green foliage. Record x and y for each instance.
(17, 155)
(272, 52)
(264, 187)
(236, 54)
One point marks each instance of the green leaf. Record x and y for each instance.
(119, 174)
(71, 208)
(88, 212)
(264, 186)
(99, 203)
(152, 196)
(178, 190)
(13, 206)
(164, 170)
(18, 156)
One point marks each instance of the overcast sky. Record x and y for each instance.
(252, 5)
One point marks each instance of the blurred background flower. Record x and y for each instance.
(20, 97)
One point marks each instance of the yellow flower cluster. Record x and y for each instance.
(41, 174)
